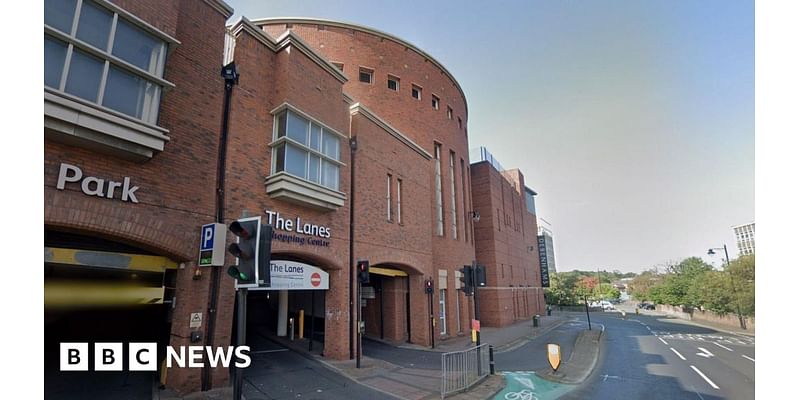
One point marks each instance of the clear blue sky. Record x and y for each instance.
(633, 120)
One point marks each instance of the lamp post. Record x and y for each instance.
(733, 283)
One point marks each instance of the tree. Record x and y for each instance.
(641, 285)
(743, 277)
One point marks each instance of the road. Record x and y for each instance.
(279, 373)
(651, 357)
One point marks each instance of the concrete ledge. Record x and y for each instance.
(582, 361)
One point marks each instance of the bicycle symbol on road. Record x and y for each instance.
(523, 394)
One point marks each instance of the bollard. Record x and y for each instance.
(637, 311)
(491, 359)
(536, 321)
(291, 329)
(623, 315)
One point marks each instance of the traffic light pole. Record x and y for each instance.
(430, 311)
(241, 326)
(358, 329)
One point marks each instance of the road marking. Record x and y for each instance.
(268, 351)
(704, 377)
(607, 376)
(705, 353)
(719, 345)
(648, 328)
(663, 341)
(679, 354)
(748, 358)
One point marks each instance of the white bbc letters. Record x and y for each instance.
(74, 356)
(142, 356)
(108, 356)
(94, 186)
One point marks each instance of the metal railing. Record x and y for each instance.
(462, 369)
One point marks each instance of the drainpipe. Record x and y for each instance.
(353, 148)
(231, 74)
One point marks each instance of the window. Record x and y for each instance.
(99, 56)
(416, 92)
(399, 201)
(393, 83)
(530, 203)
(454, 221)
(443, 311)
(449, 113)
(434, 102)
(459, 122)
(439, 211)
(389, 197)
(464, 202)
(338, 65)
(305, 149)
(365, 75)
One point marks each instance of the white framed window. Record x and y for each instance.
(449, 113)
(464, 202)
(306, 149)
(100, 54)
(459, 122)
(416, 92)
(338, 65)
(365, 75)
(393, 83)
(389, 197)
(399, 201)
(443, 311)
(453, 219)
(439, 211)
(434, 102)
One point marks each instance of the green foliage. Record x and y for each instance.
(693, 283)
(570, 288)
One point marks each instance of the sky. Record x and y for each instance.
(633, 120)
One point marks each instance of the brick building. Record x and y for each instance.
(132, 110)
(350, 142)
(506, 243)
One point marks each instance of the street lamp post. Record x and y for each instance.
(733, 284)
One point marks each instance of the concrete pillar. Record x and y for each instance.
(283, 312)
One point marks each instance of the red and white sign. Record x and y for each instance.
(293, 275)
(315, 279)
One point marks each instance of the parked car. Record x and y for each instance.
(607, 306)
(647, 306)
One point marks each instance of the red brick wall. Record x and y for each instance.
(416, 119)
(269, 79)
(177, 186)
(506, 244)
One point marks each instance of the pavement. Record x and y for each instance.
(414, 372)
(282, 369)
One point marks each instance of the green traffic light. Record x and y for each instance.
(236, 274)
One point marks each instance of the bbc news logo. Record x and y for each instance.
(144, 356)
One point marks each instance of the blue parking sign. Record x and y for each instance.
(212, 245)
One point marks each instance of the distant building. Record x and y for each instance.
(547, 258)
(746, 238)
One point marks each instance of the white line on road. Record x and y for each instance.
(268, 351)
(663, 341)
(705, 353)
(748, 358)
(719, 345)
(679, 354)
(705, 377)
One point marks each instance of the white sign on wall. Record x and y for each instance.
(293, 275)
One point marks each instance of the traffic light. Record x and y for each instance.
(363, 271)
(466, 280)
(252, 251)
(429, 286)
(480, 276)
